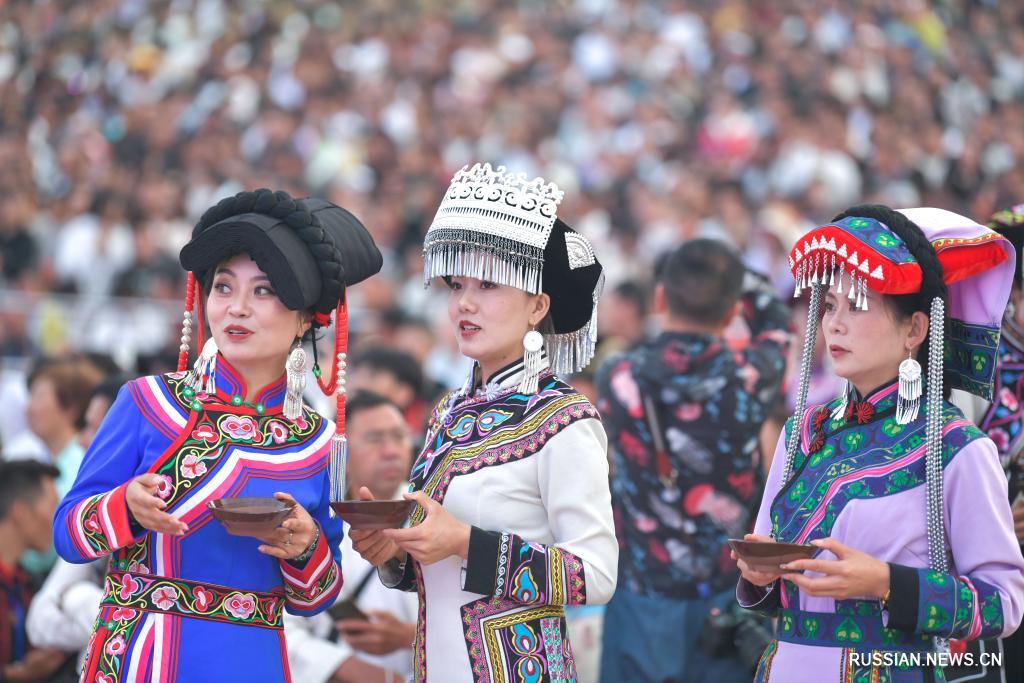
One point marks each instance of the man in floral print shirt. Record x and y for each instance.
(683, 415)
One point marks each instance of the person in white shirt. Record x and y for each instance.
(380, 454)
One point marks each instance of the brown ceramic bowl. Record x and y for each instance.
(374, 514)
(249, 516)
(766, 557)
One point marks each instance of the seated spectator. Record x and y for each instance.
(380, 455)
(28, 499)
(395, 375)
(102, 398)
(622, 317)
(64, 609)
(59, 392)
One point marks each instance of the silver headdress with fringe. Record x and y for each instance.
(502, 227)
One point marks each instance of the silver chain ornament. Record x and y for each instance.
(938, 553)
(810, 334)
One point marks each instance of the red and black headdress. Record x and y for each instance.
(310, 249)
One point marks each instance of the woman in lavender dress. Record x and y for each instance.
(903, 496)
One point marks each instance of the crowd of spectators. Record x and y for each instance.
(745, 120)
(121, 120)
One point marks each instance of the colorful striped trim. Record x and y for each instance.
(502, 445)
(100, 524)
(158, 404)
(317, 583)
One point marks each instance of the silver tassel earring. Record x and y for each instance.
(840, 410)
(908, 397)
(533, 342)
(295, 369)
(204, 372)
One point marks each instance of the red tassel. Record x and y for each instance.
(199, 323)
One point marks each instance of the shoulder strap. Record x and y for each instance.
(362, 582)
(667, 472)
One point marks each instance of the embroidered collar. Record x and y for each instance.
(879, 402)
(232, 390)
(881, 398)
(503, 379)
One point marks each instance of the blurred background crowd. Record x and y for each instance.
(121, 121)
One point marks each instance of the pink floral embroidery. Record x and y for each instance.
(129, 586)
(239, 428)
(278, 431)
(138, 568)
(103, 678)
(202, 395)
(241, 605)
(192, 467)
(205, 432)
(203, 598)
(164, 597)
(177, 375)
(115, 646)
(165, 487)
(123, 614)
(300, 422)
(92, 523)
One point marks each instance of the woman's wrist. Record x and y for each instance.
(462, 544)
(308, 552)
(884, 583)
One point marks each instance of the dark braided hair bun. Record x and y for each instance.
(932, 283)
(302, 245)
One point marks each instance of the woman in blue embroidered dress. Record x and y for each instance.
(184, 600)
(515, 517)
(906, 501)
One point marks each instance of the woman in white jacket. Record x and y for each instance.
(515, 517)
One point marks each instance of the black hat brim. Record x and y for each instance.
(272, 244)
(291, 264)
